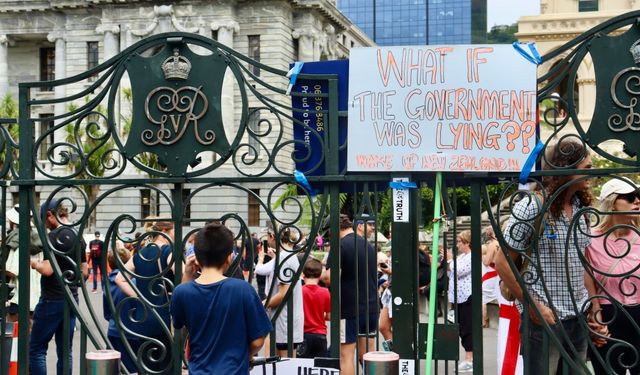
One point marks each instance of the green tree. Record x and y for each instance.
(9, 110)
(146, 158)
(89, 137)
(502, 34)
(600, 162)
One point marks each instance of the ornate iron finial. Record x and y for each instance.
(635, 51)
(176, 66)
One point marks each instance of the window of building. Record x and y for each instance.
(214, 34)
(15, 198)
(149, 204)
(93, 55)
(187, 207)
(47, 66)
(253, 205)
(254, 127)
(254, 53)
(587, 5)
(43, 127)
(296, 50)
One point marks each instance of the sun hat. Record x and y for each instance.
(617, 186)
(13, 215)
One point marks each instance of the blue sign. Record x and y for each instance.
(309, 132)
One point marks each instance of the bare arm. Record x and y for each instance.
(255, 346)
(326, 277)
(85, 270)
(122, 283)
(191, 268)
(277, 298)
(43, 267)
(507, 277)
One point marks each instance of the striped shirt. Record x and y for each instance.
(562, 271)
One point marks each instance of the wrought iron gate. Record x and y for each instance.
(201, 166)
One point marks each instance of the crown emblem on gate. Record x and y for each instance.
(176, 66)
(635, 51)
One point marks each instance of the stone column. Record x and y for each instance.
(226, 30)
(587, 98)
(306, 39)
(111, 41)
(61, 72)
(4, 65)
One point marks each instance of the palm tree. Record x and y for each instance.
(9, 110)
(88, 136)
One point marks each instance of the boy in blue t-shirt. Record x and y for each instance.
(227, 323)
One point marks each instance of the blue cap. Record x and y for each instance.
(44, 207)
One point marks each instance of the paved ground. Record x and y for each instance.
(489, 336)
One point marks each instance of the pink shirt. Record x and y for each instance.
(607, 261)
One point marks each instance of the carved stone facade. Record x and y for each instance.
(38, 36)
(559, 22)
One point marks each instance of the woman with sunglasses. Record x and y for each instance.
(614, 256)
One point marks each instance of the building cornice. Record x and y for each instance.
(326, 8)
(560, 25)
(19, 6)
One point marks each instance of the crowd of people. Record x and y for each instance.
(586, 292)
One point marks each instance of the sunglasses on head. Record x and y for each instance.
(629, 197)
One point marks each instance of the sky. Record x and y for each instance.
(507, 12)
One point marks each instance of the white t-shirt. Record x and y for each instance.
(289, 266)
(463, 274)
(12, 265)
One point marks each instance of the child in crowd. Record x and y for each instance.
(226, 321)
(317, 309)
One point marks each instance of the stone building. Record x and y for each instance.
(53, 39)
(560, 21)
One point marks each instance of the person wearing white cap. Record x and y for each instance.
(12, 264)
(614, 261)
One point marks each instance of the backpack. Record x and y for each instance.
(96, 250)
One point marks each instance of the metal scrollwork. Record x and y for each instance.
(179, 109)
(632, 120)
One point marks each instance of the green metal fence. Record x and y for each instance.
(95, 157)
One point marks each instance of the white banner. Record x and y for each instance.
(407, 367)
(440, 108)
(400, 203)
(294, 366)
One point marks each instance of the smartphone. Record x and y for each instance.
(190, 251)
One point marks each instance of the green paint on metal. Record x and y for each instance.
(615, 60)
(177, 110)
(434, 271)
(445, 341)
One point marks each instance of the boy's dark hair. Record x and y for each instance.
(212, 245)
(312, 268)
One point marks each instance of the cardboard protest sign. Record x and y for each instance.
(453, 108)
(298, 366)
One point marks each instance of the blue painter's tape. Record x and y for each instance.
(402, 185)
(302, 180)
(293, 74)
(297, 67)
(531, 55)
(528, 164)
